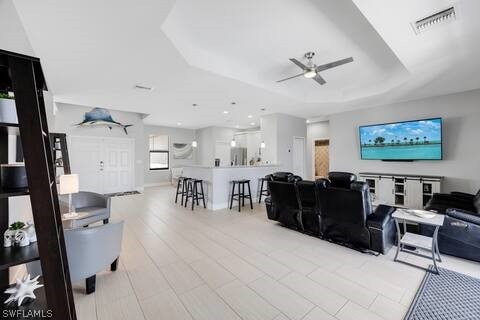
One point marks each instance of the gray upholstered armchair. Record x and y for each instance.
(89, 251)
(94, 206)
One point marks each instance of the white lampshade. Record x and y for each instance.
(68, 184)
(233, 143)
(262, 145)
(194, 144)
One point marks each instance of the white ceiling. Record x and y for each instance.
(213, 52)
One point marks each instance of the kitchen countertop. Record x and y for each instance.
(231, 167)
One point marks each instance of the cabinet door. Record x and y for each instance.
(385, 191)
(436, 187)
(414, 194)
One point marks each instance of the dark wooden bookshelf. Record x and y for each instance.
(6, 193)
(13, 125)
(14, 312)
(13, 256)
(25, 78)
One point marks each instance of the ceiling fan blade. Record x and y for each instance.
(298, 75)
(319, 79)
(333, 64)
(298, 63)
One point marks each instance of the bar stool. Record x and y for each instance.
(182, 182)
(192, 192)
(263, 192)
(240, 196)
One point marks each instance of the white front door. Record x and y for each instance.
(118, 165)
(85, 158)
(104, 165)
(299, 156)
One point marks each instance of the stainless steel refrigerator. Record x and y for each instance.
(238, 156)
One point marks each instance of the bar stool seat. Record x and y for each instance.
(263, 190)
(240, 195)
(193, 192)
(181, 184)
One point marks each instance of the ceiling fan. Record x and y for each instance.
(311, 70)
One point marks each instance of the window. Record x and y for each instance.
(159, 154)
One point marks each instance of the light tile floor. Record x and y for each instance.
(179, 264)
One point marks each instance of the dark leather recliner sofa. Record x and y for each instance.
(347, 215)
(460, 234)
(337, 208)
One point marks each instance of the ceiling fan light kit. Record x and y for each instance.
(312, 71)
(309, 74)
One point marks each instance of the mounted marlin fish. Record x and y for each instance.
(101, 117)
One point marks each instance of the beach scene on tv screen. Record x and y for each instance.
(412, 140)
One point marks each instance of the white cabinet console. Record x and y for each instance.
(412, 191)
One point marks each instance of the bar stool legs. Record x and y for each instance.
(192, 192)
(181, 183)
(263, 192)
(240, 196)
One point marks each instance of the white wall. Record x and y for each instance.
(69, 115)
(12, 35)
(268, 127)
(180, 135)
(317, 130)
(461, 133)
(278, 131)
(206, 138)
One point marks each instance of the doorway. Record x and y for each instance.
(104, 165)
(321, 158)
(299, 156)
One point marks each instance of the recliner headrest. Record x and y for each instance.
(476, 201)
(359, 186)
(294, 178)
(341, 179)
(322, 183)
(282, 176)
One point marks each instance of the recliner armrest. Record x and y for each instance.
(463, 195)
(380, 217)
(441, 202)
(449, 198)
(467, 216)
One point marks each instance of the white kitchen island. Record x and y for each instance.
(217, 181)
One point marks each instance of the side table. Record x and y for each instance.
(417, 240)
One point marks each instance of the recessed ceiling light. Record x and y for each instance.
(233, 103)
(142, 87)
(179, 123)
(250, 116)
(225, 112)
(252, 123)
(308, 121)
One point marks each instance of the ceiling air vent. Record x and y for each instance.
(143, 88)
(445, 16)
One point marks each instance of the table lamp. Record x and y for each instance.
(69, 185)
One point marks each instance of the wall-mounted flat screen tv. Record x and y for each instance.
(407, 140)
